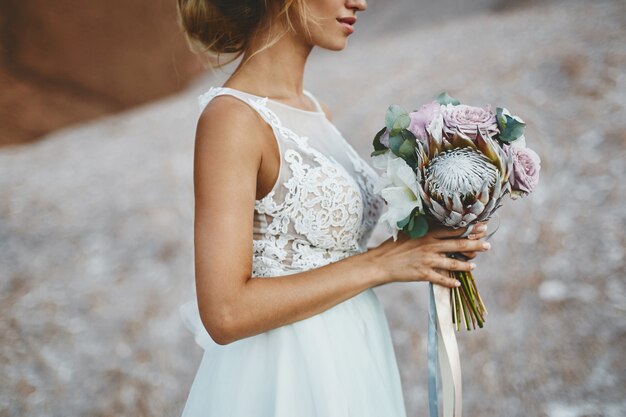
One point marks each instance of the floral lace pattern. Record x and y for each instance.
(318, 212)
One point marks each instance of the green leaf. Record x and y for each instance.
(377, 145)
(500, 119)
(411, 223)
(407, 134)
(513, 130)
(420, 228)
(412, 162)
(396, 119)
(394, 144)
(407, 149)
(445, 98)
(407, 223)
(380, 152)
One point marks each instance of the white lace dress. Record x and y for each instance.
(341, 362)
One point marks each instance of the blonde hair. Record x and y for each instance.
(217, 27)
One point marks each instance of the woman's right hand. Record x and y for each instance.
(424, 258)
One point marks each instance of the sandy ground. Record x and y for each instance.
(96, 227)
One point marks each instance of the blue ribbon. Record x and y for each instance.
(433, 400)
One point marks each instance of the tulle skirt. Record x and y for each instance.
(338, 363)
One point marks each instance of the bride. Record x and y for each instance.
(284, 209)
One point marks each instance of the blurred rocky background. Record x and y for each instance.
(96, 219)
(66, 61)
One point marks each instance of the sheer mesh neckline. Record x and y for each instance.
(306, 93)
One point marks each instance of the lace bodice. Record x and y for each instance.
(322, 207)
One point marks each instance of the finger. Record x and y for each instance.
(461, 245)
(469, 255)
(478, 235)
(450, 264)
(441, 279)
(445, 232)
(480, 227)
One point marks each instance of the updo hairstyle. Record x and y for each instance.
(219, 27)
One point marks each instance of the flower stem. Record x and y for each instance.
(457, 303)
(468, 300)
(452, 305)
(482, 305)
(470, 311)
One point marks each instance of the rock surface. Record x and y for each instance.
(65, 61)
(96, 228)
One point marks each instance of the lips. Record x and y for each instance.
(351, 20)
(348, 23)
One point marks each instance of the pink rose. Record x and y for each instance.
(526, 165)
(421, 119)
(468, 118)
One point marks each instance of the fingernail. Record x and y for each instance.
(472, 265)
(471, 236)
(480, 228)
(457, 284)
(486, 245)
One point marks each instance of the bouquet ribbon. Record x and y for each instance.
(443, 353)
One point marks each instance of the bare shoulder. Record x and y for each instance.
(227, 121)
(228, 149)
(233, 150)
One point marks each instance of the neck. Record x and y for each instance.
(276, 72)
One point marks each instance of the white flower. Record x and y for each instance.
(398, 187)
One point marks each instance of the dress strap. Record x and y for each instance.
(253, 101)
(318, 107)
(260, 105)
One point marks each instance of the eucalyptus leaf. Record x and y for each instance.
(407, 149)
(514, 129)
(420, 228)
(412, 162)
(379, 152)
(396, 119)
(407, 134)
(377, 144)
(445, 98)
(500, 119)
(394, 144)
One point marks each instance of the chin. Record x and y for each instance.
(334, 45)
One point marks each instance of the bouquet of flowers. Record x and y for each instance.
(450, 164)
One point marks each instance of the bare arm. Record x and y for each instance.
(228, 169)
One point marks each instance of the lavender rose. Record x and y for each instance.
(467, 118)
(421, 119)
(526, 166)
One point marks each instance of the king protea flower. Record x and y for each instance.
(461, 181)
